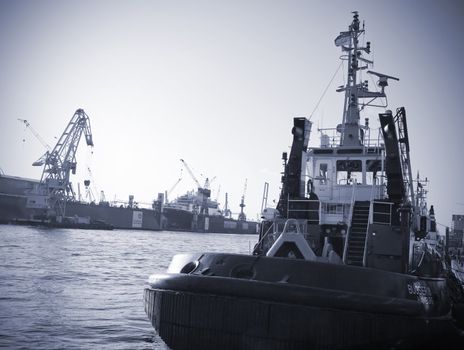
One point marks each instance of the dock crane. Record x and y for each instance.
(217, 193)
(227, 212)
(242, 215)
(41, 160)
(35, 133)
(208, 182)
(168, 193)
(55, 188)
(190, 172)
(204, 192)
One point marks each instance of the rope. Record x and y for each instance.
(326, 88)
(441, 224)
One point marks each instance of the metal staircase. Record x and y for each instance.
(357, 234)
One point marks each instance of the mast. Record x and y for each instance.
(350, 129)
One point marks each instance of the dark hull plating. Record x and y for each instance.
(183, 220)
(13, 207)
(224, 322)
(225, 301)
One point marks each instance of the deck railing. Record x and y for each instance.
(382, 217)
(315, 212)
(369, 220)
(350, 218)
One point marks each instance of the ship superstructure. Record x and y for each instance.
(359, 178)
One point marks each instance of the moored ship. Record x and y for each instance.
(185, 214)
(14, 209)
(353, 257)
(196, 211)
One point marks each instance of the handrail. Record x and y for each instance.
(390, 204)
(382, 202)
(350, 218)
(371, 205)
(365, 246)
(304, 210)
(260, 242)
(334, 140)
(288, 200)
(369, 221)
(272, 230)
(353, 199)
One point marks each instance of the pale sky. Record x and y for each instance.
(217, 83)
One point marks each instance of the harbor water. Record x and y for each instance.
(83, 289)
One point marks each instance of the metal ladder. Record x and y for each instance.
(357, 235)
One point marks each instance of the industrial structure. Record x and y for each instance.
(55, 188)
(197, 211)
(52, 201)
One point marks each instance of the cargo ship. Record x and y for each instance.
(351, 256)
(195, 211)
(14, 210)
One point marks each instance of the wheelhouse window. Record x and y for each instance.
(349, 171)
(333, 208)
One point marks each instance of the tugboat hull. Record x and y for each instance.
(207, 309)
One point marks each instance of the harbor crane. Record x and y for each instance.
(208, 182)
(55, 188)
(190, 172)
(204, 192)
(217, 193)
(168, 193)
(227, 212)
(242, 215)
(41, 160)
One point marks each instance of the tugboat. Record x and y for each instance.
(349, 258)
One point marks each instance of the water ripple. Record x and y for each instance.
(82, 289)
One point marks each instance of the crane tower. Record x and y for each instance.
(204, 192)
(241, 215)
(55, 188)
